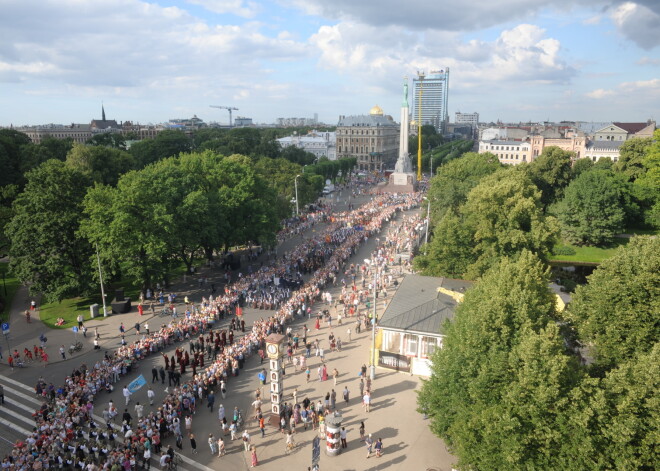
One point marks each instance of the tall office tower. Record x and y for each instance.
(434, 94)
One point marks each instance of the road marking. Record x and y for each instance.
(24, 396)
(30, 410)
(18, 416)
(17, 383)
(15, 427)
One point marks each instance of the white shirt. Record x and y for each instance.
(127, 392)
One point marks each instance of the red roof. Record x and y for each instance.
(631, 128)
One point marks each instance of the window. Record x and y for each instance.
(429, 345)
(410, 344)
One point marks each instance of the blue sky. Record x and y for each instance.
(513, 60)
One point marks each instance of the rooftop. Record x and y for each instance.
(366, 120)
(632, 128)
(417, 306)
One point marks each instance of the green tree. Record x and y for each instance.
(617, 311)
(450, 252)
(631, 156)
(580, 166)
(628, 407)
(47, 252)
(166, 144)
(551, 173)
(451, 185)
(502, 379)
(592, 211)
(102, 164)
(506, 216)
(647, 185)
(108, 139)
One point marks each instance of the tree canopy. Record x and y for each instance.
(617, 311)
(503, 375)
(551, 173)
(47, 251)
(102, 164)
(501, 217)
(593, 209)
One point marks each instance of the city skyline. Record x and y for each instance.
(588, 60)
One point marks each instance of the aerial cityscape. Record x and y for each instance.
(242, 235)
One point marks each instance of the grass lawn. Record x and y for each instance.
(587, 254)
(69, 309)
(12, 284)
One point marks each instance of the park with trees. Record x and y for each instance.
(521, 383)
(149, 210)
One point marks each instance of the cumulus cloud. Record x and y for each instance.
(520, 55)
(639, 23)
(648, 90)
(130, 43)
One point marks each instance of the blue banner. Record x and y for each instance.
(137, 383)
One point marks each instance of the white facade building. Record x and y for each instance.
(597, 150)
(321, 144)
(507, 152)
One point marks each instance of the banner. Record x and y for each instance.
(137, 383)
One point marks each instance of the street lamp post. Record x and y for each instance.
(295, 182)
(431, 166)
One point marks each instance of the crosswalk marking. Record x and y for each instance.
(18, 394)
(17, 383)
(31, 399)
(15, 427)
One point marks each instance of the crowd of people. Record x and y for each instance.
(68, 434)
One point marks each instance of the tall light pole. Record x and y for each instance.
(420, 76)
(428, 223)
(295, 182)
(431, 166)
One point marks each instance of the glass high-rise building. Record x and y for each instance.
(435, 91)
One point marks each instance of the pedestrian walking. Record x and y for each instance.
(349, 334)
(193, 443)
(368, 442)
(335, 374)
(346, 394)
(122, 330)
(151, 394)
(361, 431)
(154, 375)
(210, 400)
(221, 446)
(262, 425)
(62, 352)
(255, 461)
(161, 372)
(146, 327)
(127, 394)
(137, 328)
(246, 440)
(378, 446)
(188, 422)
(213, 444)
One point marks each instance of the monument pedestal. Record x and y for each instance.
(401, 183)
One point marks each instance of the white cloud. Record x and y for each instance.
(639, 23)
(235, 7)
(648, 61)
(129, 43)
(600, 93)
(520, 55)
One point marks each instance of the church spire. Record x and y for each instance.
(102, 112)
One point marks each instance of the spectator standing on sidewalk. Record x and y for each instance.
(62, 352)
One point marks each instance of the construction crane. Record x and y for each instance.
(228, 108)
